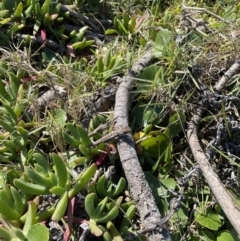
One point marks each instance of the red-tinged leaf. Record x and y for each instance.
(43, 34)
(103, 156)
(77, 220)
(71, 51)
(28, 79)
(70, 211)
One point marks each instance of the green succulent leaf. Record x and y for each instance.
(6, 234)
(82, 180)
(37, 177)
(100, 208)
(95, 230)
(101, 186)
(4, 13)
(61, 170)
(108, 216)
(6, 209)
(42, 161)
(31, 217)
(57, 190)
(18, 10)
(30, 188)
(90, 204)
(128, 216)
(72, 141)
(120, 187)
(61, 207)
(38, 232)
(18, 205)
(114, 232)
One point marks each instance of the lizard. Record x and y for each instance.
(112, 135)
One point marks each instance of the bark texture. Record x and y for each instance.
(139, 188)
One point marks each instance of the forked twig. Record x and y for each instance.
(224, 199)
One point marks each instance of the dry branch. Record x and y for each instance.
(51, 44)
(224, 199)
(50, 95)
(65, 8)
(139, 188)
(223, 81)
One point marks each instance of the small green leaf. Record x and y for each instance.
(57, 190)
(110, 32)
(83, 44)
(95, 230)
(36, 26)
(61, 207)
(207, 218)
(28, 11)
(38, 232)
(60, 117)
(84, 135)
(18, 10)
(13, 29)
(40, 159)
(3, 93)
(168, 183)
(30, 188)
(82, 180)
(227, 235)
(132, 24)
(164, 37)
(73, 131)
(7, 211)
(72, 141)
(100, 65)
(19, 106)
(156, 145)
(8, 128)
(37, 177)
(4, 13)
(84, 150)
(5, 21)
(6, 235)
(207, 235)
(31, 216)
(18, 202)
(176, 124)
(61, 170)
(45, 7)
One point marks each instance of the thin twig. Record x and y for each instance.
(219, 191)
(204, 10)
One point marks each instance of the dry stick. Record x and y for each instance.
(139, 188)
(204, 10)
(74, 14)
(224, 199)
(47, 42)
(58, 92)
(223, 81)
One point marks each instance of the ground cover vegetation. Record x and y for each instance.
(61, 64)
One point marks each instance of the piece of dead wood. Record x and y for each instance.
(57, 92)
(101, 101)
(223, 81)
(51, 44)
(139, 187)
(85, 19)
(220, 193)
